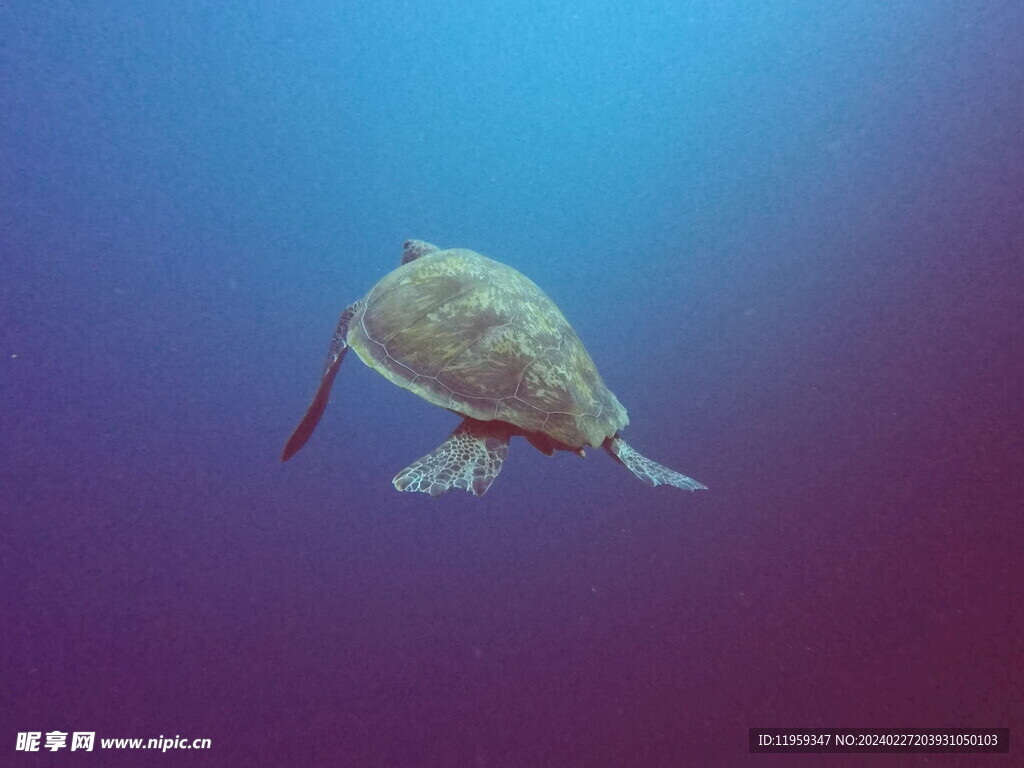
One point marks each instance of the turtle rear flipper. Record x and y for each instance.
(651, 472)
(335, 354)
(469, 459)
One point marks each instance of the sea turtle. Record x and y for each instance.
(475, 336)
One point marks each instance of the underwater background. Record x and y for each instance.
(790, 235)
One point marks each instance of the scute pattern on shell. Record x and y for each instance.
(473, 335)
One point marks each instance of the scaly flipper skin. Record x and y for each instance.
(469, 459)
(651, 472)
(335, 354)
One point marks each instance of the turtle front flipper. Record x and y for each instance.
(651, 472)
(335, 354)
(469, 459)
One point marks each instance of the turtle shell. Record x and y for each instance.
(475, 336)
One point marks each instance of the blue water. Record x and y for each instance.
(789, 234)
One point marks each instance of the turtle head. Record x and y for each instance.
(413, 249)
